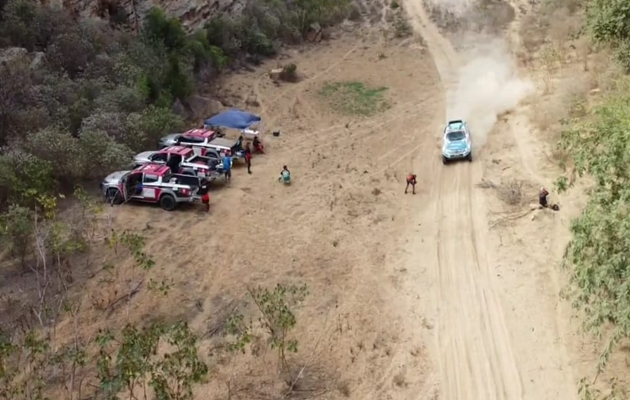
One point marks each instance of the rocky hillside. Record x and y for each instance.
(193, 13)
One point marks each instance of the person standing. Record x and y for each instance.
(227, 166)
(248, 158)
(411, 180)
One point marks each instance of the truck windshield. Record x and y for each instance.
(455, 136)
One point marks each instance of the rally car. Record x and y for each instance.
(153, 183)
(456, 144)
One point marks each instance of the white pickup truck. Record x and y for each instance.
(201, 141)
(183, 160)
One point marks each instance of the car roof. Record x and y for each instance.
(456, 125)
(179, 150)
(199, 133)
(154, 169)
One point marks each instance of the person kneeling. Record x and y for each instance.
(285, 175)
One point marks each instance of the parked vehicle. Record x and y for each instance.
(456, 144)
(183, 160)
(153, 183)
(200, 140)
(192, 136)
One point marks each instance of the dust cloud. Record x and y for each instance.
(487, 87)
(487, 82)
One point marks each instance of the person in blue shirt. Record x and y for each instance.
(285, 175)
(227, 166)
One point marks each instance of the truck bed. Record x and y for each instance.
(192, 181)
(223, 142)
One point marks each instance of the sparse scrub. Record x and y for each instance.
(355, 98)
(289, 73)
(402, 28)
(599, 148)
(510, 193)
(264, 23)
(121, 360)
(574, 98)
(551, 59)
(609, 21)
(277, 317)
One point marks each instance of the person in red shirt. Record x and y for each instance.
(248, 158)
(205, 200)
(411, 180)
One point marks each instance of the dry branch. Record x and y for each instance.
(511, 192)
(127, 296)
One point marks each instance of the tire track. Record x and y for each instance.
(475, 357)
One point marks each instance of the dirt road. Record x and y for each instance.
(475, 347)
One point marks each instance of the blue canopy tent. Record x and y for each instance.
(233, 119)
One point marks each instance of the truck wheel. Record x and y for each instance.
(444, 160)
(167, 202)
(113, 196)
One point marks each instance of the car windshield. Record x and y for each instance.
(455, 136)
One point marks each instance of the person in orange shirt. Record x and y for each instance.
(411, 180)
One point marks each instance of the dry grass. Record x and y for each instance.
(344, 388)
(557, 22)
(605, 71)
(574, 97)
(510, 192)
(547, 114)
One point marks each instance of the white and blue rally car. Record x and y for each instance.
(456, 143)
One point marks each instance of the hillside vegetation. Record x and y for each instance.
(78, 98)
(599, 146)
(100, 94)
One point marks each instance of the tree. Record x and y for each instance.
(277, 318)
(609, 22)
(16, 229)
(136, 364)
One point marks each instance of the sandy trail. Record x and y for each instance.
(476, 355)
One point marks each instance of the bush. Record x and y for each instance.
(289, 73)
(266, 22)
(601, 235)
(609, 22)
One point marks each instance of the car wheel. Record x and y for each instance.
(167, 202)
(444, 160)
(113, 196)
(469, 158)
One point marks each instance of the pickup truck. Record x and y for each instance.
(183, 160)
(200, 140)
(153, 183)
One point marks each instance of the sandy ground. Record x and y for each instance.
(449, 294)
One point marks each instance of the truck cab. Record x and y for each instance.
(152, 183)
